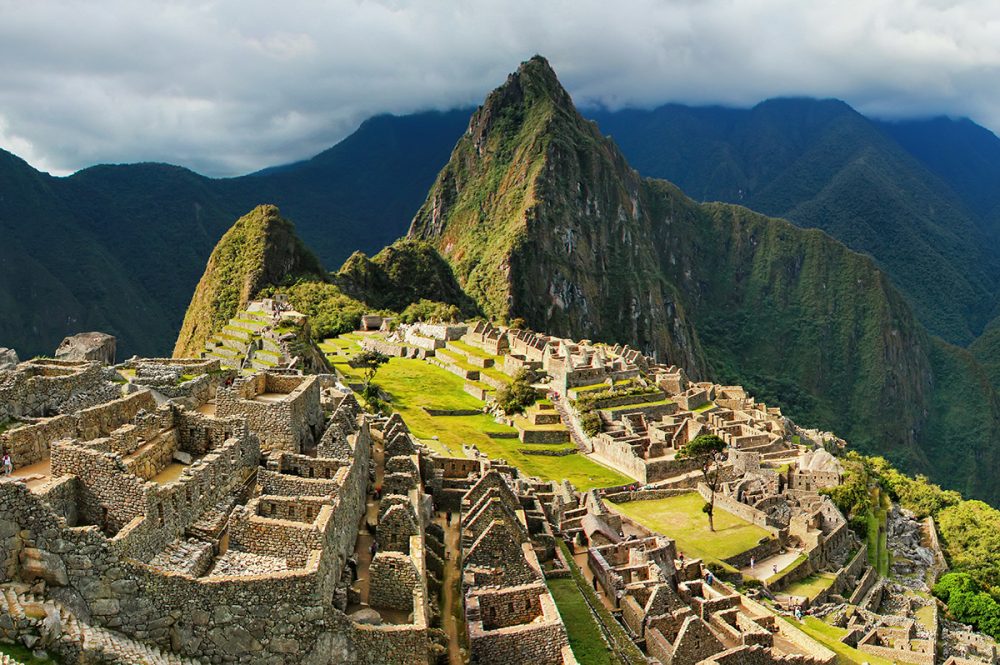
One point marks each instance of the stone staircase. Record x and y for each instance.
(25, 613)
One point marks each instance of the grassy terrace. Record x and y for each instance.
(811, 586)
(414, 384)
(474, 351)
(829, 636)
(681, 518)
(581, 625)
(641, 405)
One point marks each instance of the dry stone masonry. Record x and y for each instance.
(234, 509)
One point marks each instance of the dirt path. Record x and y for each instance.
(451, 595)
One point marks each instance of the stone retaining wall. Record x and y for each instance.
(30, 444)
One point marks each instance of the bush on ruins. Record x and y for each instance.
(519, 395)
(969, 603)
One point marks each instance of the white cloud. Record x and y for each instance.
(234, 85)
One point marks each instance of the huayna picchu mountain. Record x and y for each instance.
(261, 254)
(542, 219)
(261, 249)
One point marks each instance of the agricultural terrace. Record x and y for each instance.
(413, 385)
(682, 519)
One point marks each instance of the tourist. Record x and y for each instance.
(447, 518)
(798, 613)
(373, 548)
(709, 578)
(8, 466)
(774, 569)
(680, 557)
(753, 562)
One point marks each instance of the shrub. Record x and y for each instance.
(591, 423)
(517, 396)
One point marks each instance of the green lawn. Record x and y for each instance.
(878, 549)
(582, 628)
(829, 636)
(413, 384)
(681, 518)
(811, 586)
(642, 405)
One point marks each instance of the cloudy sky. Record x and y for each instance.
(230, 86)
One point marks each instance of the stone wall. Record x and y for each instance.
(42, 388)
(289, 423)
(393, 581)
(30, 444)
(219, 619)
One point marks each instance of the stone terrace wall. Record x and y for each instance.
(30, 444)
(402, 645)
(293, 541)
(280, 425)
(170, 509)
(214, 618)
(272, 482)
(110, 496)
(50, 387)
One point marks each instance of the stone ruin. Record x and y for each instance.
(157, 534)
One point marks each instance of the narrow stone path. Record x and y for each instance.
(362, 547)
(578, 437)
(451, 594)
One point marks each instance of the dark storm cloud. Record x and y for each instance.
(230, 86)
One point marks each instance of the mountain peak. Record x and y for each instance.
(259, 250)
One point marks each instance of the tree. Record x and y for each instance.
(706, 450)
(370, 361)
(519, 395)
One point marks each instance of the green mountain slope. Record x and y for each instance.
(542, 218)
(261, 249)
(261, 254)
(535, 217)
(821, 164)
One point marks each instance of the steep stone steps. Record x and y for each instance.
(83, 642)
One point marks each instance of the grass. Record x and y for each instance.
(626, 648)
(811, 586)
(22, 655)
(582, 628)
(801, 559)
(878, 549)
(829, 636)
(474, 351)
(414, 384)
(641, 405)
(704, 407)
(681, 518)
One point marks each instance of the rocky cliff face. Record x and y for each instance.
(542, 218)
(261, 249)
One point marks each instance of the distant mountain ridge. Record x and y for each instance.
(120, 248)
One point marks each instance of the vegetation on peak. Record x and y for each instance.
(261, 249)
(403, 274)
